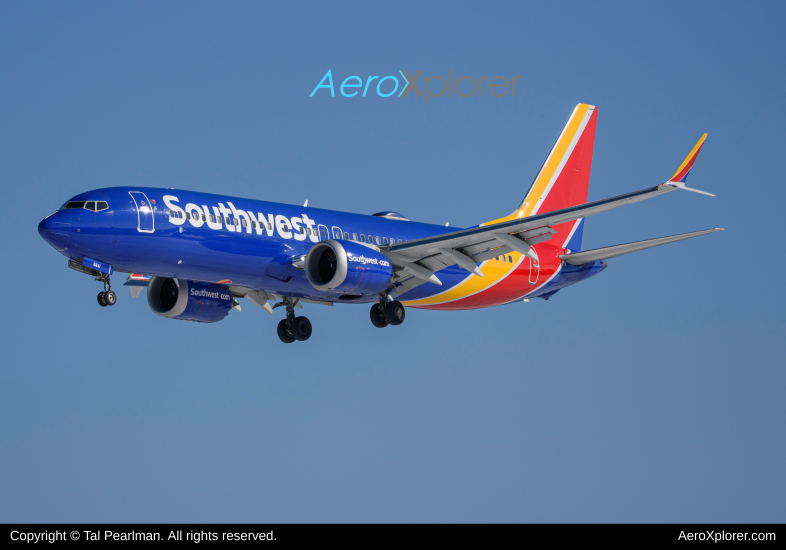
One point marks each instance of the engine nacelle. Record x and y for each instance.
(187, 300)
(347, 267)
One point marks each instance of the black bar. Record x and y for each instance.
(396, 534)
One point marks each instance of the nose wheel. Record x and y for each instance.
(108, 296)
(293, 328)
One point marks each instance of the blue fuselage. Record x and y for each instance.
(210, 238)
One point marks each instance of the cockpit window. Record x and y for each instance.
(94, 206)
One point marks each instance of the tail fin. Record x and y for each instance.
(563, 180)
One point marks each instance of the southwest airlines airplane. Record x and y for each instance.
(198, 253)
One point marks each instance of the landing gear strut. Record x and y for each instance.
(387, 312)
(293, 328)
(107, 297)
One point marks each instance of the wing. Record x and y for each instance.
(421, 258)
(418, 260)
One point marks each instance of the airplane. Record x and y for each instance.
(198, 253)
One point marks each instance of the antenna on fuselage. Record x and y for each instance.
(305, 203)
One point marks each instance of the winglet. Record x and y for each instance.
(682, 172)
(679, 177)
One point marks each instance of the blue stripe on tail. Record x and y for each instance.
(575, 240)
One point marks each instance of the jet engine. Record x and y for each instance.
(347, 267)
(187, 300)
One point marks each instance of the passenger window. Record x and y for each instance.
(180, 215)
(370, 239)
(354, 236)
(101, 205)
(323, 233)
(212, 219)
(188, 216)
(378, 241)
(384, 240)
(171, 213)
(346, 236)
(270, 227)
(253, 224)
(203, 218)
(302, 231)
(245, 224)
(228, 222)
(362, 238)
(510, 259)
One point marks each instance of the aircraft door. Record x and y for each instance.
(144, 211)
(337, 234)
(323, 232)
(534, 271)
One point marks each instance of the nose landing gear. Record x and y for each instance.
(108, 296)
(105, 298)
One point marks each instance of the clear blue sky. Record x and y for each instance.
(652, 392)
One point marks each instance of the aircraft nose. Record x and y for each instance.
(54, 229)
(45, 227)
(49, 224)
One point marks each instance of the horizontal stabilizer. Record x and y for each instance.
(587, 256)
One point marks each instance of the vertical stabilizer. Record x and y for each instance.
(563, 180)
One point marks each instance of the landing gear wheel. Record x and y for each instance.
(284, 333)
(102, 299)
(394, 313)
(377, 317)
(301, 328)
(110, 298)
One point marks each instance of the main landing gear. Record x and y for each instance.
(107, 297)
(293, 328)
(387, 312)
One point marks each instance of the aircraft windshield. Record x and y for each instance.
(95, 206)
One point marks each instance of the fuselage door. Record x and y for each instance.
(534, 271)
(323, 233)
(144, 211)
(337, 233)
